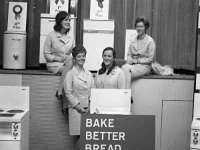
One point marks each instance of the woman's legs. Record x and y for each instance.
(65, 68)
(127, 73)
(134, 72)
(77, 144)
(68, 65)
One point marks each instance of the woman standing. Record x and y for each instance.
(57, 49)
(110, 76)
(140, 53)
(77, 86)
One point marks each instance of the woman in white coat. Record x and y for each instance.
(109, 76)
(141, 53)
(77, 86)
(57, 50)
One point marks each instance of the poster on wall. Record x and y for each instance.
(17, 14)
(130, 35)
(99, 9)
(58, 5)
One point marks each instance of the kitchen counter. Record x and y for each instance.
(45, 72)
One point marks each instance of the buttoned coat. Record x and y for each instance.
(143, 51)
(77, 87)
(115, 80)
(57, 45)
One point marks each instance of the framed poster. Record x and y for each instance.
(17, 14)
(99, 9)
(58, 5)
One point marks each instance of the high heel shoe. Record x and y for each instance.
(132, 100)
(59, 97)
(65, 111)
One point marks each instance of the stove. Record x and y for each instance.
(14, 118)
(195, 134)
(15, 111)
(195, 127)
(12, 115)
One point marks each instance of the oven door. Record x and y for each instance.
(10, 136)
(10, 145)
(10, 131)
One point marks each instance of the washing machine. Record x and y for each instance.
(14, 50)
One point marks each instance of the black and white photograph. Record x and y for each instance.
(100, 75)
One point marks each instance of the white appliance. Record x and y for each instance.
(14, 50)
(97, 35)
(14, 118)
(195, 127)
(46, 26)
(110, 101)
(14, 44)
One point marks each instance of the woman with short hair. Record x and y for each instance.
(141, 53)
(77, 86)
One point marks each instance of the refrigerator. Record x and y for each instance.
(97, 35)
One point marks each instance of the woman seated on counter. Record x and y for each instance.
(109, 75)
(140, 53)
(57, 51)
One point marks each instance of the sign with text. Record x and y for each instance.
(117, 132)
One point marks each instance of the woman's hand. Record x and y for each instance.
(59, 59)
(67, 59)
(132, 61)
(80, 109)
(135, 61)
(62, 59)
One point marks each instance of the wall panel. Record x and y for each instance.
(49, 128)
(175, 31)
(35, 8)
(137, 8)
(120, 28)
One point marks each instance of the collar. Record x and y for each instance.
(63, 38)
(83, 76)
(76, 71)
(141, 39)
